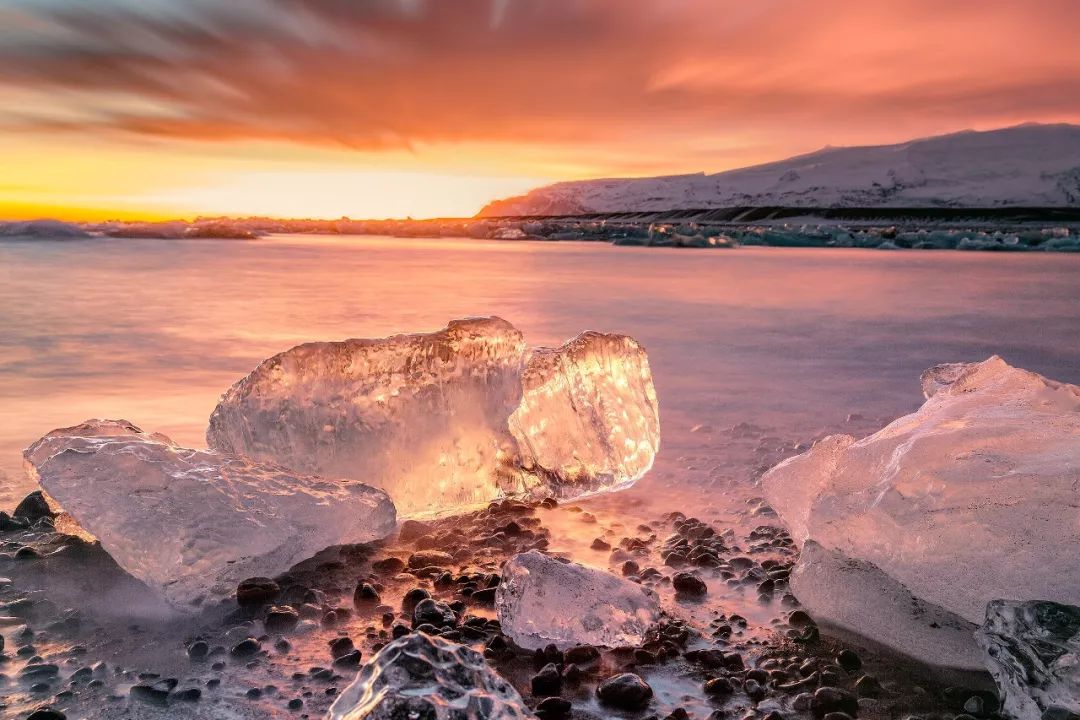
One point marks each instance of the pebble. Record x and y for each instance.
(256, 591)
(832, 699)
(244, 648)
(547, 682)
(553, 708)
(689, 584)
(625, 691)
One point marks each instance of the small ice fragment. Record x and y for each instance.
(967, 500)
(451, 419)
(190, 524)
(541, 601)
(1033, 652)
(421, 676)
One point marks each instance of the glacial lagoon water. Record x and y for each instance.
(794, 342)
(755, 353)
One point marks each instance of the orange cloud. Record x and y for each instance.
(535, 88)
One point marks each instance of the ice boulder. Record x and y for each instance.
(421, 676)
(1033, 652)
(191, 524)
(453, 418)
(972, 498)
(543, 601)
(587, 417)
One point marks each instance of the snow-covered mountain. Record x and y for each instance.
(1027, 165)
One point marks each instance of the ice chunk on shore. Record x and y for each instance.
(453, 418)
(541, 601)
(1033, 652)
(859, 598)
(421, 676)
(191, 524)
(588, 418)
(970, 499)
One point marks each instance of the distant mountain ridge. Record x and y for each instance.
(1029, 165)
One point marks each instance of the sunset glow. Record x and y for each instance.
(420, 108)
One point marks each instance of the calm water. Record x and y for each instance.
(791, 340)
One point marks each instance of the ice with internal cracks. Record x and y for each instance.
(454, 418)
(541, 601)
(971, 498)
(190, 524)
(421, 676)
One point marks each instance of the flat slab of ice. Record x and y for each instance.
(453, 418)
(191, 524)
(421, 676)
(543, 601)
(970, 499)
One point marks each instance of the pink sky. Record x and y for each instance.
(200, 100)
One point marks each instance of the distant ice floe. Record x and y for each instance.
(451, 419)
(42, 229)
(190, 524)
(909, 533)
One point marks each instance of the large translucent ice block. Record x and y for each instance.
(967, 500)
(190, 524)
(454, 418)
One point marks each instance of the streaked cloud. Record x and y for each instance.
(528, 88)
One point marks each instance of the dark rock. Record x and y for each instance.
(341, 646)
(365, 594)
(188, 695)
(431, 612)
(245, 648)
(547, 682)
(689, 585)
(46, 714)
(33, 508)
(600, 544)
(553, 708)
(350, 659)
(198, 650)
(151, 694)
(295, 704)
(10, 524)
(388, 565)
(413, 598)
(484, 597)
(281, 619)
(848, 660)
(256, 592)
(582, 655)
(833, 699)
(626, 691)
(719, 686)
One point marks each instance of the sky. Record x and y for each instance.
(427, 108)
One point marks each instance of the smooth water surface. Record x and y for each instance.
(791, 340)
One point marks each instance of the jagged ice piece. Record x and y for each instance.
(541, 601)
(454, 418)
(421, 676)
(967, 500)
(1033, 652)
(191, 524)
